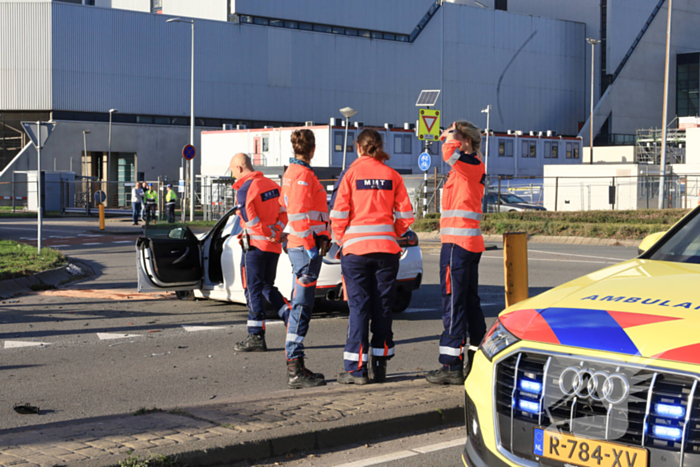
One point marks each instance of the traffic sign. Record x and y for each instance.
(429, 125)
(32, 131)
(100, 197)
(188, 152)
(424, 161)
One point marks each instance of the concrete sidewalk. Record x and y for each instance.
(242, 429)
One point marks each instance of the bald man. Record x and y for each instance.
(262, 221)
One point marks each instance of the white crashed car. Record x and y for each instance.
(207, 266)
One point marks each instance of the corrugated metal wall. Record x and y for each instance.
(400, 16)
(135, 62)
(25, 56)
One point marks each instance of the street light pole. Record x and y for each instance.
(109, 151)
(662, 180)
(40, 214)
(346, 112)
(191, 163)
(484, 203)
(85, 169)
(593, 43)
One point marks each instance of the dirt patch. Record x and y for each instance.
(107, 294)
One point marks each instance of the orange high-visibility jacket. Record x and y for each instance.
(460, 221)
(371, 208)
(307, 208)
(262, 217)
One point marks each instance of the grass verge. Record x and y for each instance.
(622, 225)
(19, 259)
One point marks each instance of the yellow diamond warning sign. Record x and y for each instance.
(429, 125)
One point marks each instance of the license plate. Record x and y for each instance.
(586, 452)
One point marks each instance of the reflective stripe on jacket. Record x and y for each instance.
(460, 220)
(307, 208)
(371, 208)
(261, 216)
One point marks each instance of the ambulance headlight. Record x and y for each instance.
(496, 340)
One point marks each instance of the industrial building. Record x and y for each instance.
(282, 63)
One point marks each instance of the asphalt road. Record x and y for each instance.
(99, 348)
(439, 448)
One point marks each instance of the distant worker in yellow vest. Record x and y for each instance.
(151, 199)
(170, 202)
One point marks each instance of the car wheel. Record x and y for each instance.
(403, 300)
(270, 313)
(185, 295)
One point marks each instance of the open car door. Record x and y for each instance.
(168, 258)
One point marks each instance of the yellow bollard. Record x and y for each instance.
(102, 216)
(515, 262)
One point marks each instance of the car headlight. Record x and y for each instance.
(496, 340)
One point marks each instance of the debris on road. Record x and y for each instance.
(26, 409)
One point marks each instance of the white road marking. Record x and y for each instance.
(441, 446)
(404, 454)
(85, 244)
(124, 241)
(58, 246)
(85, 235)
(201, 328)
(109, 336)
(18, 344)
(581, 256)
(557, 260)
(26, 238)
(380, 459)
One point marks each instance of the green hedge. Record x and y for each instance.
(623, 225)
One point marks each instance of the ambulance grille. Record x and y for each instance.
(660, 410)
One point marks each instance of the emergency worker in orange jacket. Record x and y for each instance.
(262, 221)
(305, 200)
(462, 245)
(370, 210)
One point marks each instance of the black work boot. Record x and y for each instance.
(377, 369)
(252, 343)
(298, 376)
(446, 376)
(348, 378)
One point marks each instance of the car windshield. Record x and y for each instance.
(684, 246)
(512, 199)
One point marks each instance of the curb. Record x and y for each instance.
(435, 236)
(231, 450)
(52, 278)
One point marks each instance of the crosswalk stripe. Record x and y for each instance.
(18, 344)
(109, 336)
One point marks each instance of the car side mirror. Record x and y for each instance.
(649, 241)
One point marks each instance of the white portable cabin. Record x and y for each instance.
(272, 147)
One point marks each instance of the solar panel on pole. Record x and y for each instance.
(428, 98)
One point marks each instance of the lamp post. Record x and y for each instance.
(487, 111)
(347, 112)
(109, 151)
(85, 169)
(191, 163)
(662, 169)
(593, 43)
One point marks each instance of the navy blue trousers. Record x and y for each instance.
(258, 270)
(459, 284)
(370, 284)
(306, 271)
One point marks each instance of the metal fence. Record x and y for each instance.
(215, 196)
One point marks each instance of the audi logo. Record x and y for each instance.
(599, 386)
